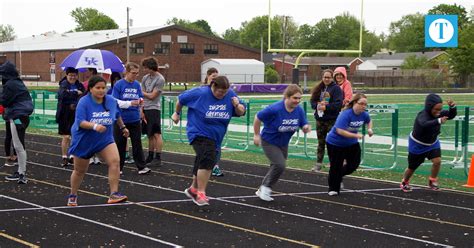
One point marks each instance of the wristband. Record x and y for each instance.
(94, 127)
(370, 130)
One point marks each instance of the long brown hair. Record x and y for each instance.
(318, 88)
(354, 99)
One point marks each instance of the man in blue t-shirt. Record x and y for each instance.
(210, 109)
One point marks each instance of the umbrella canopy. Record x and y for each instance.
(93, 58)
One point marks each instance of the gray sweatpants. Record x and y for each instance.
(20, 150)
(277, 156)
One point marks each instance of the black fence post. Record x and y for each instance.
(296, 76)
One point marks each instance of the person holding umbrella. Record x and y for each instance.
(70, 90)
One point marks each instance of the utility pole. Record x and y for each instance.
(284, 29)
(128, 35)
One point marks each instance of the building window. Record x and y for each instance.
(137, 48)
(211, 49)
(162, 48)
(303, 67)
(186, 48)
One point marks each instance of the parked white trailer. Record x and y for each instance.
(238, 71)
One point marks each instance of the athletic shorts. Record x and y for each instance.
(153, 122)
(415, 160)
(206, 154)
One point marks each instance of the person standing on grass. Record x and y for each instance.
(129, 89)
(152, 87)
(326, 100)
(342, 141)
(210, 109)
(340, 76)
(211, 74)
(70, 90)
(423, 141)
(18, 106)
(281, 120)
(92, 133)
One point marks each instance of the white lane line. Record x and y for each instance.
(93, 221)
(334, 223)
(267, 209)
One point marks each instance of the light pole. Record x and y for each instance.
(128, 35)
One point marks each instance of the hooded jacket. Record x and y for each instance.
(68, 97)
(346, 86)
(427, 127)
(15, 96)
(335, 103)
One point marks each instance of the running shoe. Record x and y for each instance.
(11, 162)
(191, 193)
(144, 171)
(405, 187)
(433, 183)
(217, 172)
(13, 177)
(333, 193)
(72, 200)
(129, 160)
(264, 193)
(116, 197)
(201, 199)
(22, 179)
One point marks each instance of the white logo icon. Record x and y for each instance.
(441, 30)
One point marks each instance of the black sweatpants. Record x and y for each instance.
(337, 155)
(135, 137)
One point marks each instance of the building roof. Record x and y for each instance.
(69, 41)
(235, 61)
(403, 56)
(319, 60)
(90, 39)
(385, 62)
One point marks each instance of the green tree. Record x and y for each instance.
(340, 32)
(232, 34)
(7, 33)
(451, 9)
(201, 26)
(407, 34)
(89, 19)
(414, 62)
(461, 59)
(252, 31)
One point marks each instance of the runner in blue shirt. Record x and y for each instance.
(343, 141)
(210, 109)
(92, 133)
(281, 120)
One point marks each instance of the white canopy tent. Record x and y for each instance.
(238, 71)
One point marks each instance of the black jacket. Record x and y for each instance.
(15, 96)
(427, 127)
(67, 98)
(335, 103)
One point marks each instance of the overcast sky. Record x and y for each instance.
(30, 17)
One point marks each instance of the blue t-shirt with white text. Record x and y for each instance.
(279, 124)
(207, 116)
(349, 121)
(128, 91)
(86, 142)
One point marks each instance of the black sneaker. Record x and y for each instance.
(13, 177)
(22, 179)
(149, 159)
(70, 161)
(65, 162)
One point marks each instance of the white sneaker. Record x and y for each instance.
(342, 186)
(264, 193)
(96, 160)
(333, 193)
(91, 161)
(144, 171)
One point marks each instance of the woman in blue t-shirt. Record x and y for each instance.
(343, 141)
(210, 109)
(281, 120)
(92, 133)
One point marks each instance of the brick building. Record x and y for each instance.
(179, 51)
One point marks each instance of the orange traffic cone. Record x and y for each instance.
(470, 177)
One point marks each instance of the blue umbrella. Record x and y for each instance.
(93, 58)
